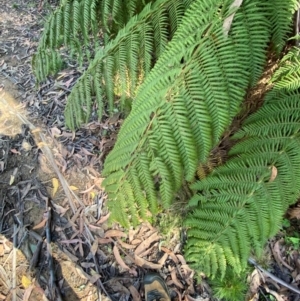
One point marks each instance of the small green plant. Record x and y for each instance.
(169, 225)
(294, 241)
(286, 223)
(231, 287)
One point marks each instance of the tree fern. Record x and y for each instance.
(122, 65)
(76, 25)
(189, 98)
(241, 204)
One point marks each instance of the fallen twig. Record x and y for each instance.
(35, 257)
(278, 280)
(53, 286)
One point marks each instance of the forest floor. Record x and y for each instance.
(55, 243)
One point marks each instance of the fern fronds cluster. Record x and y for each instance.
(118, 69)
(185, 104)
(78, 25)
(241, 204)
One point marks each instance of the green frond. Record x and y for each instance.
(287, 77)
(281, 17)
(47, 61)
(194, 90)
(126, 60)
(241, 204)
(231, 288)
(77, 24)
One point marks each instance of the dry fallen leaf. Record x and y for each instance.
(181, 258)
(172, 255)
(119, 259)
(26, 146)
(55, 132)
(146, 264)
(294, 212)
(14, 151)
(93, 278)
(41, 224)
(87, 265)
(26, 282)
(41, 145)
(163, 259)
(277, 255)
(36, 130)
(116, 286)
(114, 233)
(59, 209)
(134, 293)
(87, 190)
(28, 292)
(146, 243)
(275, 294)
(11, 180)
(255, 282)
(125, 245)
(178, 294)
(136, 241)
(104, 240)
(174, 278)
(94, 247)
(68, 82)
(103, 219)
(73, 188)
(55, 185)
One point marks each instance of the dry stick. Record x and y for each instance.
(50, 258)
(68, 191)
(14, 265)
(35, 257)
(278, 280)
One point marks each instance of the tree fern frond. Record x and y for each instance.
(76, 23)
(48, 61)
(287, 77)
(195, 75)
(240, 204)
(281, 18)
(132, 53)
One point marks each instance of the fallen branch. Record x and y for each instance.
(53, 286)
(278, 280)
